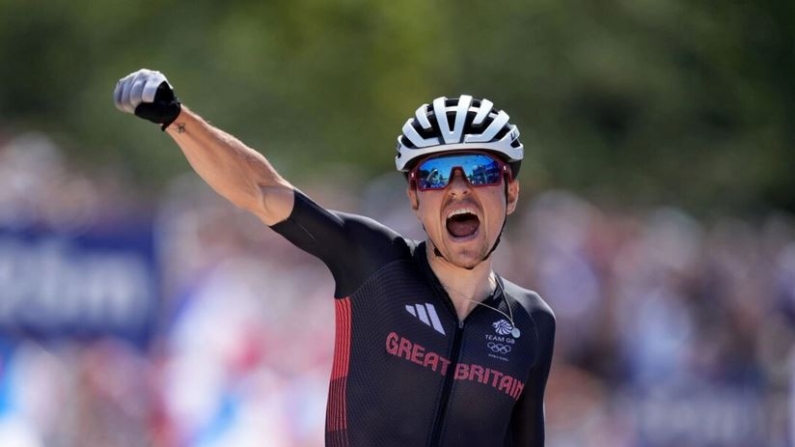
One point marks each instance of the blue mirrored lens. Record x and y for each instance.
(479, 170)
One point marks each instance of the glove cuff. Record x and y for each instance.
(174, 109)
(163, 110)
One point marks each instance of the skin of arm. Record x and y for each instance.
(235, 171)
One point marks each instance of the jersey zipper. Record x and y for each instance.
(449, 378)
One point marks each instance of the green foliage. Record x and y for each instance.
(641, 102)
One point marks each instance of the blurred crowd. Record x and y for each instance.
(672, 330)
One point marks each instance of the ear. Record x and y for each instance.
(513, 196)
(414, 201)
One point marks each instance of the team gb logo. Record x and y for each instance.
(502, 327)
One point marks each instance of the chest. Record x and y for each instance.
(409, 321)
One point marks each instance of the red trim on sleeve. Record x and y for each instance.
(336, 413)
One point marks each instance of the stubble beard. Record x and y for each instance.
(463, 259)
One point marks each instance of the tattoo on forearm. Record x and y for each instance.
(180, 127)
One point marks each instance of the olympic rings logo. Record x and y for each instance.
(498, 348)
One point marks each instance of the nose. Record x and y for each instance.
(458, 183)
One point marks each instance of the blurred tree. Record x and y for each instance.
(643, 102)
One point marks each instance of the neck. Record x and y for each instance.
(466, 287)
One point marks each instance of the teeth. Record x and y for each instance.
(459, 211)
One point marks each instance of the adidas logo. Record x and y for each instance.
(427, 314)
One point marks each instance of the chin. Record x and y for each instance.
(469, 265)
(467, 259)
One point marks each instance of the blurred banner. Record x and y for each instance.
(100, 282)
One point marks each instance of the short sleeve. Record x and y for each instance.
(353, 247)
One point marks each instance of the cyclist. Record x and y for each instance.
(432, 347)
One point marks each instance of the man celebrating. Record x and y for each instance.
(432, 347)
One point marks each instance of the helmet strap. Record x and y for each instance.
(437, 253)
(504, 221)
(497, 242)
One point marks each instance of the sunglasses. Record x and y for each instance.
(478, 169)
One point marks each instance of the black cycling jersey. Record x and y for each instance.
(406, 371)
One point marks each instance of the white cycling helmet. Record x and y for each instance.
(458, 124)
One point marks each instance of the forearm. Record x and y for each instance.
(235, 171)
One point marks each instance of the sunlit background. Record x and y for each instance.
(137, 308)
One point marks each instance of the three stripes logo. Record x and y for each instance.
(427, 314)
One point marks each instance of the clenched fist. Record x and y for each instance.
(148, 95)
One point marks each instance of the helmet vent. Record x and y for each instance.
(458, 124)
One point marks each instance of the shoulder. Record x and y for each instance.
(532, 302)
(309, 216)
(353, 247)
(358, 224)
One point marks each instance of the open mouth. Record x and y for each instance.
(462, 224)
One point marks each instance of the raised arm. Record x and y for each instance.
(235, 171)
